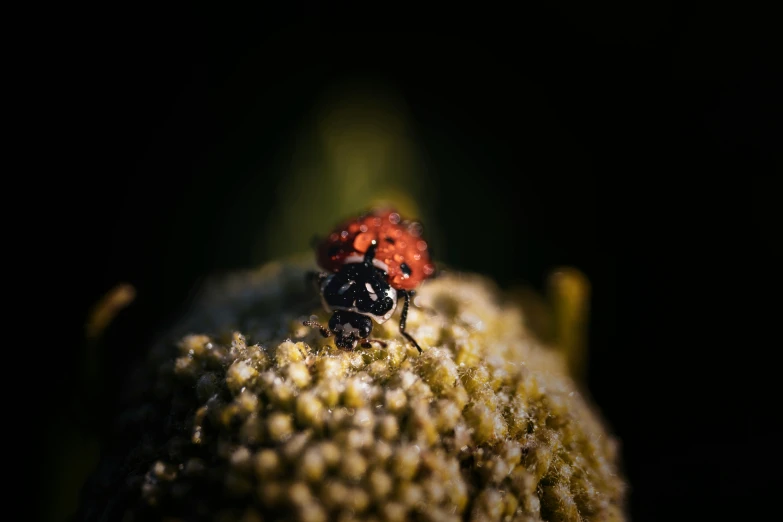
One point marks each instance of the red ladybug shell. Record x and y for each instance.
(399, 241)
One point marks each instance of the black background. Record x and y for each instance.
(650, 167)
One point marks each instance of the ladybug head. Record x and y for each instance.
(349, 328)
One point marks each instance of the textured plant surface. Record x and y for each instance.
(243, 414)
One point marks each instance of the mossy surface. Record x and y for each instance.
(243, 414)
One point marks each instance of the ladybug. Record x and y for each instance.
(369, 262)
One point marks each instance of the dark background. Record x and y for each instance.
(635, 143)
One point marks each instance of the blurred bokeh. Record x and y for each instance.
(556, 140)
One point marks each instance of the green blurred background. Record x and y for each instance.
(202, 143)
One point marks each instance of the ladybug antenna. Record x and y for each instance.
(315, 324)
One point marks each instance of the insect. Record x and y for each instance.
(369, 262)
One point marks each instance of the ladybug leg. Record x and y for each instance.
(403, 319)
(370, 254)
(367, 343)
(315, 324)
